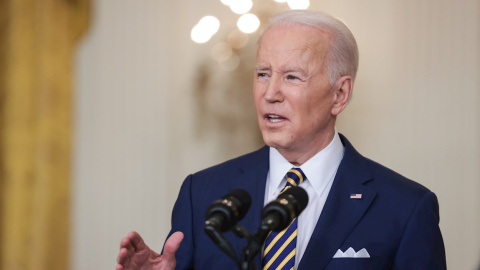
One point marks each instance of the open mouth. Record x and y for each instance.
(274, 118)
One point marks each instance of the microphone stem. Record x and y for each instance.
(221, 242)
(254, 246)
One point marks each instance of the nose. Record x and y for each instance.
(273, 92)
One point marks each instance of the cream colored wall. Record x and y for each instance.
(416, 109)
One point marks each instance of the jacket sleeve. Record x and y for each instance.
(421, 245)
(182, 221)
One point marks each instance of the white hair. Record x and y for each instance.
(342, 59)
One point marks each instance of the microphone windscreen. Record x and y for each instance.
(244, 201)
(300, 196)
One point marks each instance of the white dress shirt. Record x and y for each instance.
(320, 171)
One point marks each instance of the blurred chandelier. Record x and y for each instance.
(247, 23)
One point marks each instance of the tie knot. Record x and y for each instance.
(295, 176)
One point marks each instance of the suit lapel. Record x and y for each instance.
(252, 179)
(340, 214)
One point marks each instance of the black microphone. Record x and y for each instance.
(276, 216)
(279, 213)
(226, 212)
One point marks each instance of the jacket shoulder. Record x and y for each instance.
(387, 179)
(236, 165)
(378, 176)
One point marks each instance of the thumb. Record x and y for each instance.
(171, 246)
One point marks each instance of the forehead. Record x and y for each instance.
(293, 44)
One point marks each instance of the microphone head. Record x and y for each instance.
(241, 201)
(279, 213)
(231, 208)
(298, 198)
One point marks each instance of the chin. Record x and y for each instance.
(273, 141)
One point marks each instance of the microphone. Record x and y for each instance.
(226, 212)
(279, 213)
(223, 214)
(276, 216)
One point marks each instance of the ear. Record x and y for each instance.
(343, 91)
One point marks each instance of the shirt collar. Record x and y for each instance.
(319, 169)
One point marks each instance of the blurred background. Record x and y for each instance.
(107, 105)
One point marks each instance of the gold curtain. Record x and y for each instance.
(37, 43)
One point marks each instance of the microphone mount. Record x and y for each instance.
(276, 216)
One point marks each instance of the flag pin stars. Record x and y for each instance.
(356, 196)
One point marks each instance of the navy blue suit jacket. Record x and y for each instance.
(396, 220)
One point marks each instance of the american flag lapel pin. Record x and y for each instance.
(356, 196)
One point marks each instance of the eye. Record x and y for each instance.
(292, 78)
(262, 75)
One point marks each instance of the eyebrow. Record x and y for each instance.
(261, 68)
(287, 70)
(295, 69)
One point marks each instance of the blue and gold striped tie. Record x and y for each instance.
(280, 247)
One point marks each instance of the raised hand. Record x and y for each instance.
(136, 255)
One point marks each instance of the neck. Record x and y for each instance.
(299, 156)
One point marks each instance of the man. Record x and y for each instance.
(360, 215)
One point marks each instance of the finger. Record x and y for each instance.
(126, 252)
(136, 240)
(171, 245)
(127, 244)
(122, 257)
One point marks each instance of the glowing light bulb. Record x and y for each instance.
(248, 23)
(205, 29)
(298, 4)
(210, 24)
(241, 6)
(198, 35)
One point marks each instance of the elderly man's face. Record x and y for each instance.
(293, 97)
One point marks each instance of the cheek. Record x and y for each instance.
(257, 90)
(322, 102)
(256, 96)
(315, 110)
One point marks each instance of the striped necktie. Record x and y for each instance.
(280, 247)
